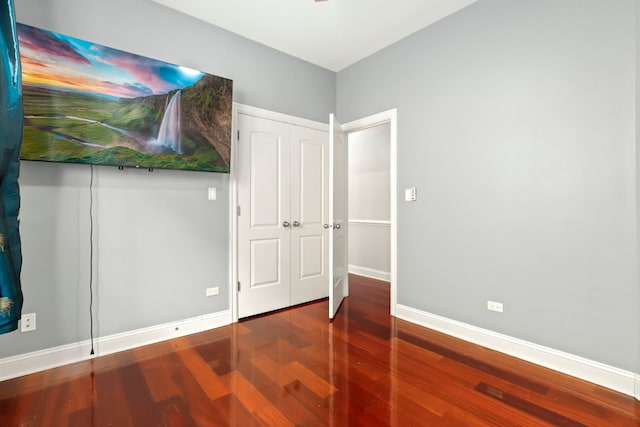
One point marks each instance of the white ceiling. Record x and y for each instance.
(333, 34)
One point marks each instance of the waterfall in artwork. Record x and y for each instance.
(170, 130)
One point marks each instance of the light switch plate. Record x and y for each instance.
(410, 194)
(212, 193)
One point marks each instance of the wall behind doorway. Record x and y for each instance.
(369, 202)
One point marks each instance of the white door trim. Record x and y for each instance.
(391, 117)
(233, 202)
(278, 117)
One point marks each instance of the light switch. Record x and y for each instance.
(410, 194)
(212, 193)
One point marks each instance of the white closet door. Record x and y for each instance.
(309, 212)
(264, 221)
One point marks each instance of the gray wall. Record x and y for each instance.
(158, 244)
(158, 241)
(517, 125)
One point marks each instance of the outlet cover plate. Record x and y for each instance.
(495, 306)
(28, 322)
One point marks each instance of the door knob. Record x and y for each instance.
(337, 226)
(296, 224)
(326, 226)
(285, 224)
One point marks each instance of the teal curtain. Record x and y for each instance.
(11, 121)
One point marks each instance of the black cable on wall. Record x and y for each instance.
(91, 259)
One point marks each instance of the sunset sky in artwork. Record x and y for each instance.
(60, 62)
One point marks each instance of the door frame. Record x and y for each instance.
(233, 194)
(391, 117)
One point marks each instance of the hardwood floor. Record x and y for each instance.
(293, 367)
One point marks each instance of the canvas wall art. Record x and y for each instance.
(87, 103)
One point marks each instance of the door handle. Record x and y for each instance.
(326, 226)
(285, 224)
(337, 226)
(296, 224)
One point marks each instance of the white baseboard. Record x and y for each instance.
(607, 376)
(24, 364)
(370, 272)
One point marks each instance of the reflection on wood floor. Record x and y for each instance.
(294, 368)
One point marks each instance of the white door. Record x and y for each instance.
(264, 216)
(283, 197)
(309, 212)
(338, 283)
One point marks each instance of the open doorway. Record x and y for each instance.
(372, 189)
(370, 202)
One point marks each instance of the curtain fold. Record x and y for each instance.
(11, 122)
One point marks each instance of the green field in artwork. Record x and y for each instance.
(77, 128)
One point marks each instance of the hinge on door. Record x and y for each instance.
(238, 135)
(238, 211)
(238, 285)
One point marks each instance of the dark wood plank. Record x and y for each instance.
(174, 413)
(199, 404)
(233, 412)
(475, 363)
(525, 406)
(136, 394)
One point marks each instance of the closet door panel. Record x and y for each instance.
(309, 213)
(263, 231)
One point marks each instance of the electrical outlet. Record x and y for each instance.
(213, 291)
(28, 322)
(494, 306)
